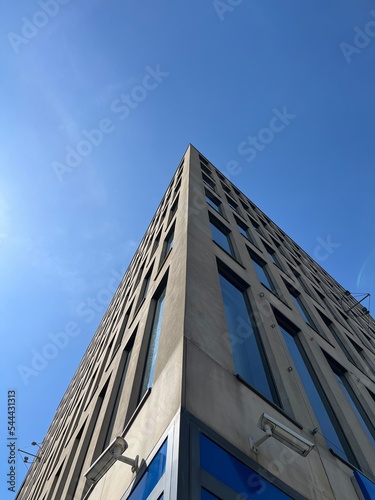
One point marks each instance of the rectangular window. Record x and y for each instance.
(153, 343)
(243, 229)
(273, 256)
(214, 202)
(209, 182)
(168, 244)
(234, 474)
(329, 426)
(203, 159)
(120, 387)
(255, 225)
(151, 476)
(363, 357)
(145, 285)
(156, 244)
(225, 187)
(233, 205)
(206, 170)
(354, 402)
(221, 236)
(246, 207)
(173, 210)
(260, 268)
(248, 352)
(337, 337)
(298, 302)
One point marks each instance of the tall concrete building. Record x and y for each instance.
(229, 365)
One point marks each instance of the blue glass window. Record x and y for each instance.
(329, 426)
(262, 274)
(357, 407)
(152, 351)
(235, 474)
(221, 238)
(247, 350)
(302, 310)
(151, 476)
(367, 486)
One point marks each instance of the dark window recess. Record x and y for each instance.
(173, 210)
(145, 285)
(120, 386)
(203, 160)
(168, 244)
(208, 182)
(243, 229)
(233, 205)
(225, 187)
(214, 202)
(206, 170)
(255, 225)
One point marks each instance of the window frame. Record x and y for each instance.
(242, 287)
(225, 231)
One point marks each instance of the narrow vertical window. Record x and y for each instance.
(260, 268)
(118, 393)
(300, 306)
(255, 226)
(168, 244)
(273, 256)
(221, 236)
(156, 244)
(145, 285)
(248, 352)
(243, 229)
(367, 425)
(329, 425)
(173, 210)
(213, 202)
(233, 205)
(152, 349)
(208, 181)
(337, 337)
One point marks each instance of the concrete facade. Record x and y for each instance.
(199, 385)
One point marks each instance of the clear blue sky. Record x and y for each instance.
(203, 72)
